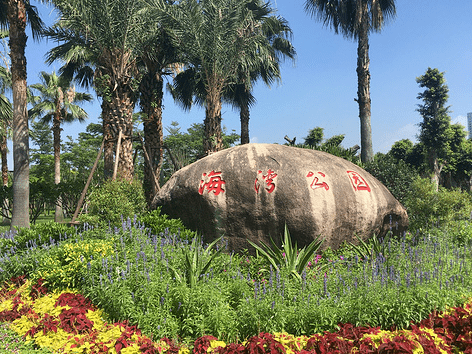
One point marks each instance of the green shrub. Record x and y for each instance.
(64, 266)
(40, 233)
(158, 223)
(395, 174)
(114, 200)
(426, 207)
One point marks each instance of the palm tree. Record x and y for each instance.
(278, 46)
(357, 19)
(157, 58)
(57, 103)
(6, 115)
(98, 39)
(6, 112)
(14, 14)
(212, 36)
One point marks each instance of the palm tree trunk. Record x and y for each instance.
(212, 141)
(108, 139)
(244, 117)
(151, 105)
(16, 14)
(4, 154)
(363, 90)
(56, 129)
(121, 117)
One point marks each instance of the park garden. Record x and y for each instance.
(131, 280)
(126, 279)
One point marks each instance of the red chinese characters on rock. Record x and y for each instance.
(317, 180)
(268, 179)
(358, 183)
(211, 182)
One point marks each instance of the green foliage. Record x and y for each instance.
(460, 232)
(47, 232)
(160, 223)
(315, 136)
(292, 259)
(373, 247)
(395, 174)
(435, 132)
(197, 261)
(331, 145)
(402, 149)
(114, 201)
(184, 148)
(426, 207)
(128, 273)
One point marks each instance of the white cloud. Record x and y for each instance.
(254, 139)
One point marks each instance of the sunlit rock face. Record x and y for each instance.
(249, 192)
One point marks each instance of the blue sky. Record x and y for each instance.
(319, 88)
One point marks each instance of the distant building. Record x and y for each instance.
(469, 124)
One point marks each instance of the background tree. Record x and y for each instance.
(6, 115)
(43, 190)
(276, 48)
(57, 103)
(357, 19)
(435, 129)
(157, 58)
(98, 39)
(183, 148)
(14, 14)
(212, 36)
(315, 136)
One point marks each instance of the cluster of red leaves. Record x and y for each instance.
(455, 327)
(74, 300)
(18, 310)
(38, 289)
(47, 324)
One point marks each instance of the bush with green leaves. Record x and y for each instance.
(427, 207)
(159, 223)
(113, 201)
(395, 174)
(37, 234)
(290, 258)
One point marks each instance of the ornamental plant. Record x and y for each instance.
(68, 322)
(294, 260)
(197, 261)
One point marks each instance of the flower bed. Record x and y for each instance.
(68, 322)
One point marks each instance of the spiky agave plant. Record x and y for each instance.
(289, 256)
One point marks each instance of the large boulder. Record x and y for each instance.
(249, 192)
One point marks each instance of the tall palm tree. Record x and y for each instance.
(14, 15)
(277, 47)
(97, 40)
(213, 38)
(6, 115)
(357, 19)
(57, 103)
(157, 58)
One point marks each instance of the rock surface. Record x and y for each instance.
(250, 191)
